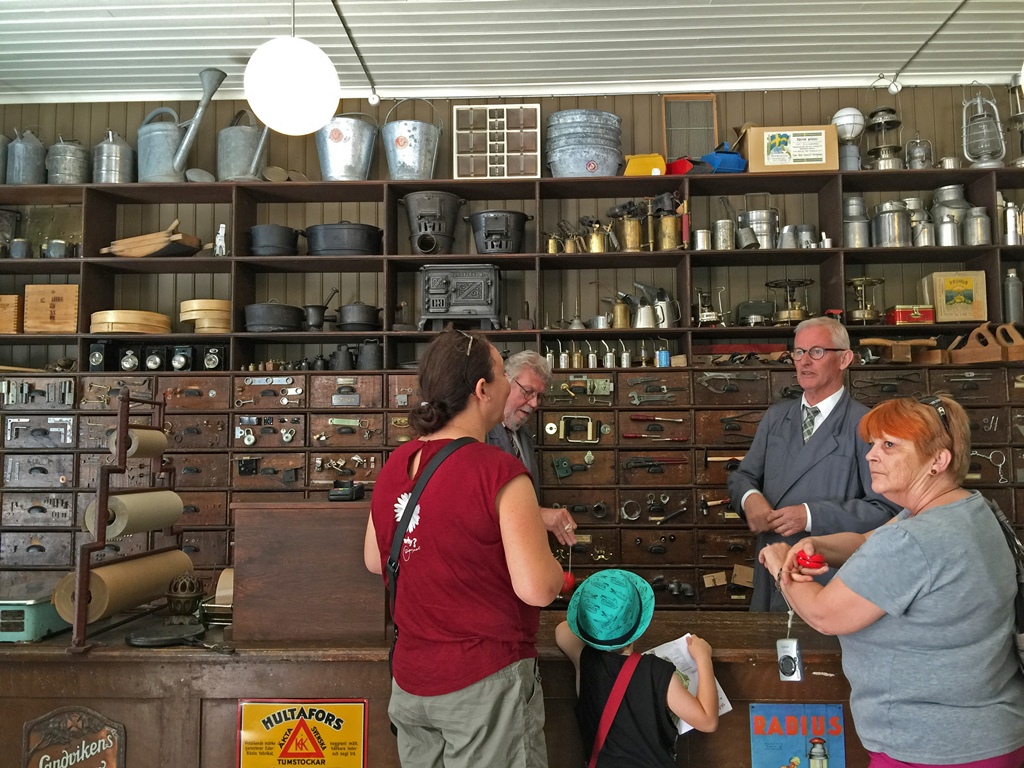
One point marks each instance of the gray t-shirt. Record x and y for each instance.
(935, 680)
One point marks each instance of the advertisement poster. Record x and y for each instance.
(797, 736)
(302, 732)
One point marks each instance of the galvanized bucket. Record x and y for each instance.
(67, 162)
(590, 116)
(345, 146)
(411, 145)
(241, 150)
(158, 143)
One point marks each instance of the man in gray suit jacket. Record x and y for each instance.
(806, 472)
(529, 374)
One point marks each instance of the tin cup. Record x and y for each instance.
(702, 240)
(57, 249)
(949, 162)
(723, 235)
(20, 248)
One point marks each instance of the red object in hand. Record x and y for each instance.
(810, 561)
(568, 582)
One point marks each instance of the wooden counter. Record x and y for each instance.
(179, 705)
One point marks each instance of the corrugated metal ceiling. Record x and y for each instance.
(137, 50)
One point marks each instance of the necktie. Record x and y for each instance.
(515, 443)
(808, 421)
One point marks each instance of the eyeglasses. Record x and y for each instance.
(816, 353)
(940, 409)
(528, 393)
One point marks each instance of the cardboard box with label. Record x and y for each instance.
(792, 148)
(958, 297)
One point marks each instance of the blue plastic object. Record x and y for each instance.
(724, 160)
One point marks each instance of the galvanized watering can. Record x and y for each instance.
(163, 149)
(241, 149)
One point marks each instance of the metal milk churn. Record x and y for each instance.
(949, 199)
(891, 225)
(67, 162)
(856, 225)
(977, 227)
(921, 227)
(113, 161)
(241, 149)
(26, 159)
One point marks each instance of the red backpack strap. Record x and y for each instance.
(612, 705)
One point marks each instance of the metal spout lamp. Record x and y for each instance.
(983, 143)
(292, 85)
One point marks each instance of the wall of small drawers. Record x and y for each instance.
(639, 456)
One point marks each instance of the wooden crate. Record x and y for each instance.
(51, 309)
(10, 314)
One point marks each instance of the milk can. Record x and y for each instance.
(890, 228)
(921, 226)
(856, 225)
(113, 161)
(26, 159)
(67, 162)
(977, 227)
(949, 231)
(949, 199)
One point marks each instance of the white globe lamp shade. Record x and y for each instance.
(849, 123)
(292, 86)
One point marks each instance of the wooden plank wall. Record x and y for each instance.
(935, 113)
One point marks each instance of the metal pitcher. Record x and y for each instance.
(163, 149)
(370, 356)
(26, 159)
(241, 149)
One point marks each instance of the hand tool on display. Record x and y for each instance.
(706, 504)
(650, 417)
(653, 465)
(638, 435)
(711, 379)
(708, 459)
(902, 351)
(671, 515)
(170, 242)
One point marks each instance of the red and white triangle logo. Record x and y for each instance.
(301, 743)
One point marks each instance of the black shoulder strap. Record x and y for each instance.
(392, 564)
(1017, 550)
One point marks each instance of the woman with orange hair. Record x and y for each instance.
(923, 605)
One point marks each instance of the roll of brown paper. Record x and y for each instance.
(135, 512)
(120, 586)
(142, 443)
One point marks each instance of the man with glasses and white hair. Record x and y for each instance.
(529, 374)
(806, 472)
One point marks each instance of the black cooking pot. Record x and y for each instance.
(274, 240)
(345, 239)
(271, 316)
(359, 317)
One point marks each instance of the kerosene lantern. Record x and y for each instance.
(884, 129)
(919, 154)
(849, 123)
(983, 142)
(866, 312)
(1016, 122)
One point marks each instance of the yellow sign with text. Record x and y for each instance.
(330, 733)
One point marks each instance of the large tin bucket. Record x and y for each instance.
(345, 147)
(411, 145)
(241, 150)
(158, 142)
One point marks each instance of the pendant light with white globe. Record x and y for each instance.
(292, 85)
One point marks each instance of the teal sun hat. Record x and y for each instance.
(611, 609)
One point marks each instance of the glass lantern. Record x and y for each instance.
(885, 139)
(919, 153)
(1016, 122)
(983, 143)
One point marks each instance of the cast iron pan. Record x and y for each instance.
(179, 634)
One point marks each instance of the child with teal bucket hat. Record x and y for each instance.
(607, 614)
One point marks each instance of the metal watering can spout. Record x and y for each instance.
(211, 78)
